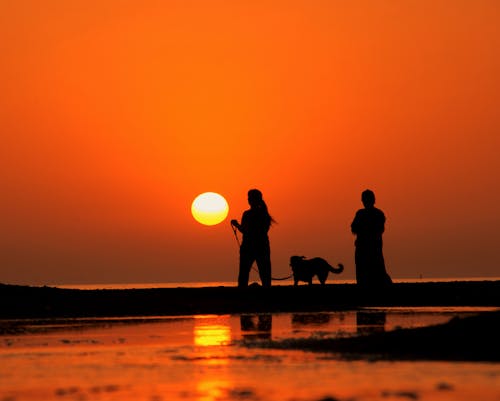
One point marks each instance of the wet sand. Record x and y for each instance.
(472, 338)
(207, 358)
(18, 302)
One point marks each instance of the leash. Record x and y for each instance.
(235, 234)
(253, 267)
(274, 278)
(281, 278)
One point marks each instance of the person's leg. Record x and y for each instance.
(264, 266)
(246, 261)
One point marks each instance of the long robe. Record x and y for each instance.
(369, 225)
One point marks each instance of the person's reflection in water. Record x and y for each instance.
(370, 322)
(256, 327)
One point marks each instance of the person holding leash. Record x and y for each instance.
(255, 247)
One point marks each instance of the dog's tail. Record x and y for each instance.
(337, 270)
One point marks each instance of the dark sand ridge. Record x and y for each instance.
(18, 302)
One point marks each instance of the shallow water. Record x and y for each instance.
(203, 358)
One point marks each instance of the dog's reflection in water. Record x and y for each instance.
(256, 327)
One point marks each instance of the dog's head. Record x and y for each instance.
(295, 261)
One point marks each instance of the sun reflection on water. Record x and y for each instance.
(212, 389)
(209, 333)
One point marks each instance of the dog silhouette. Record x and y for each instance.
(305, 269)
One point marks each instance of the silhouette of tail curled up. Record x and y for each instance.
(337, 270)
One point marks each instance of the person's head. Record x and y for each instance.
(255, 198)
(368, 198)
(256, 201)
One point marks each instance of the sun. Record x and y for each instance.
(209, 208)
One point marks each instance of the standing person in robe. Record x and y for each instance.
(368, 226)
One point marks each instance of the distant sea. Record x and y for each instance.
(201, 284)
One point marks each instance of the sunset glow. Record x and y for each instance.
(114, 115)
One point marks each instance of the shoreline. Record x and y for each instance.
(22, 302)
(232, 283)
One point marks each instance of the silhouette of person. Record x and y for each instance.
(368, 226)
(255, 224)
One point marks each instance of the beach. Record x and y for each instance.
(24, 308)
(238, 357)
(434, 341)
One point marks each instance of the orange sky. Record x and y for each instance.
(114, 115)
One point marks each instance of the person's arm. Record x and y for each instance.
(237, 225)
(240, 227)
(355, 224)
(381, 222)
